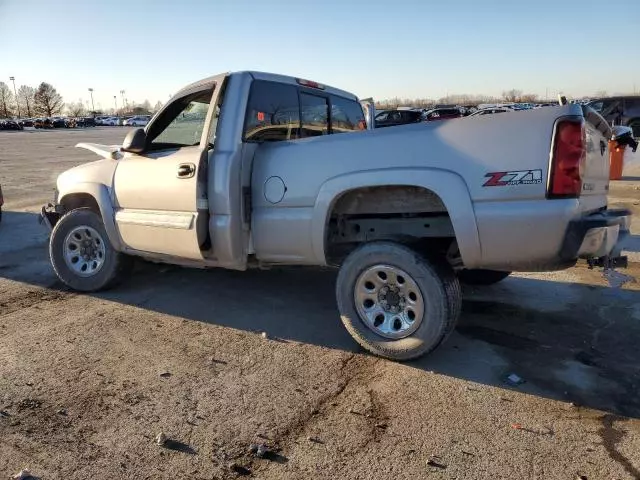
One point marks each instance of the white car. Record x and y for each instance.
(110, 121)
(138, 121)
(488, 111)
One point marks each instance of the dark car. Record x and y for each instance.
(620, 111)
(47, 123)
(86, 122)
(390, 118)
(11, 125)
(58, 122)
(442, 114)
(27, 122)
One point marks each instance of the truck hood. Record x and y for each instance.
(101, 171)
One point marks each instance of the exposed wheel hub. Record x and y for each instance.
(389, 301)
(84, 251)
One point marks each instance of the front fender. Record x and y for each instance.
(100, 193)
(449, 186)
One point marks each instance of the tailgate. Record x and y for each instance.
(595, 176)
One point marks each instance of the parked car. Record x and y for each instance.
(10, 125)
(276, 179)
(88, 122)
(442, 114)
(58, 122)
(26, 122)
(391, 118)
(620, 111)
(123, 120)
(489, 111)
(137, 121)
(110, 121)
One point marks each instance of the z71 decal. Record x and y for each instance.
(516, 177)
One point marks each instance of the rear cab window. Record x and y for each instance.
(280, 112)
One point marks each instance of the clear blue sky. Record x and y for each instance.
(380, 48)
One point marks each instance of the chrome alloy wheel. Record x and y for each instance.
(84, 251)
(389, 301)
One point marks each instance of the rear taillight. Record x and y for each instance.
(567, 163)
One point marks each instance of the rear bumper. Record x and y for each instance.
(597, 235)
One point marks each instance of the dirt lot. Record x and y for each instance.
(88, 381)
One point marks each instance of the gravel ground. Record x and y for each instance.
(87, 382)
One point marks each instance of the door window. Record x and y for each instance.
(184, 120)
(314, 115)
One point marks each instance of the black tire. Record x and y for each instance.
(437, 283)
(482, 277)
(116, 267)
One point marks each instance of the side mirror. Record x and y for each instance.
(135, 141)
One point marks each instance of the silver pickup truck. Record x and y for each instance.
(252, 169)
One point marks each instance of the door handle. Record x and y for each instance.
(186, 170)
(603, 147)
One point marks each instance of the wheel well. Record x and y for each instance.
(409, 215)
(79, 200)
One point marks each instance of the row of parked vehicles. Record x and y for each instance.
(623, 111)
(73, 122)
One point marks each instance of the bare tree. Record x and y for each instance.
(25, 99)
(47, 100)
(512, 95)
(528, 97)
(601, 94)
(5, 100)
(76, 109)
(157, 107)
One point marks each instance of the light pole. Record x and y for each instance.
(115, 101)
(92, 107)
(124, 103)
(13, 79)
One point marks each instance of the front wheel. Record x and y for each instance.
(395, 303)
(81, 254)
(482, 277)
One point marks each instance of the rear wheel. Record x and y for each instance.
(395, 303)
(482, 277)
(81, 254)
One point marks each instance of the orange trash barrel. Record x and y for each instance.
(616, 158)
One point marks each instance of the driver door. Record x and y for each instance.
(160, 193)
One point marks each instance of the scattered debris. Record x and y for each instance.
(264, 335)
(29, 384)
(514, 379)
(4, 414)
(239, 469)
(505, 399)
(161, 439)
(434, 461)
(165, 374)
(260, 450)
(468, 453)
(23, 474)
(315, 440)
(29, 403)
(354, 412)
(516, 426)
(381, 426)
(580, 477)
(62, 411)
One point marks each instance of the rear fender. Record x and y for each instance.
(450, 187)
(100, 193)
